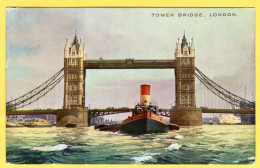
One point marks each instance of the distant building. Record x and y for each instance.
(16, 118)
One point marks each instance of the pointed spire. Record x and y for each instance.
(184, 41)
(75, 41)
(66, 45)
(66, 48)
(178, 46)
(192, 44)
(80, 45)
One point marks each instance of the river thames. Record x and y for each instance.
(208, 144)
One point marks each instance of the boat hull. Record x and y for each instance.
(71, 125)
(144, 124)
(39, 126)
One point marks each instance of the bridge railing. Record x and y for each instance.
(107, 111)
(125, 61)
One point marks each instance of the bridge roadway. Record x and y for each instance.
(234, 111)
(102, 112)
(166, 112)
(33, 112)
(129, 64)
(91, 113)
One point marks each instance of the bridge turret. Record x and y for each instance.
(66, 49)
(192, 49)
(81, 49)
(177, 49)
(84, 52)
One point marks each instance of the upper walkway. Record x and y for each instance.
(129, 64)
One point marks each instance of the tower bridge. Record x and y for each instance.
(74, 111)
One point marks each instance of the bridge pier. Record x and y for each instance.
(186, 116)
(72, 116)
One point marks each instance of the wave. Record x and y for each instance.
(217, 132)
(25, 147)
(174, 147)
(141, 159)
(58, 147)
(110, 132)
(178, 137)
(145, 157)
(251, 158)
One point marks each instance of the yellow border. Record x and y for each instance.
(117, 3)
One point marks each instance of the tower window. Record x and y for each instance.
(73, 52)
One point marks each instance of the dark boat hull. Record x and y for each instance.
(112, 128)
(71, 125)
(38, 126)
(144, 126)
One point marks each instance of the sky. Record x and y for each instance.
(224, 50)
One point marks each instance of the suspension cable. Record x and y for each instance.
(223, 93)
(36, 93)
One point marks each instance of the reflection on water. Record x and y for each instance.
(209, 144)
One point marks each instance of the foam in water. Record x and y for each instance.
(251, 158)
(174, 147)
(58, 147)
(217, 132)
(25, 147)
(142, 158)
(110, 132)
(178, 137)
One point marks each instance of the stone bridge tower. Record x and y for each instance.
(74, 112)
(185, 74)
(74, 75)
(185, 112)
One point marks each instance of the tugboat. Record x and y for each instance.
(144, 119)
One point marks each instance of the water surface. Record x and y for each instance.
(209, 144)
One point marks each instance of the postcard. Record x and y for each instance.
(130, 85)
